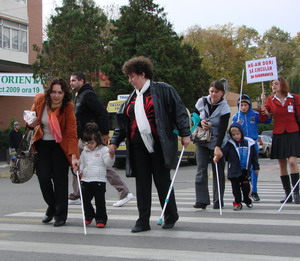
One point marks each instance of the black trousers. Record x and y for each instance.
(97, 190)
(147, 165)
(238, 184)
(52, 171)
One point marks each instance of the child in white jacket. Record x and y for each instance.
(94, 160)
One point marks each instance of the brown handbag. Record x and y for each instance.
(22, 167)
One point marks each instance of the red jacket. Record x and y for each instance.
(284, 116)
(67, 122)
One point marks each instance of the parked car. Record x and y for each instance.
(268, 133)
(264, 145)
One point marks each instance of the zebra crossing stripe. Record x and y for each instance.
(200, 220)
(129, 252)
(155, 233)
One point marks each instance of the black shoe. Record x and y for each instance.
(47, 219)
(59, 223)
(217, 206)
(249, 205)
(200, 205)
(255, 196)
(168, 226)
(138, 229)
(290, 200)
(296, 198)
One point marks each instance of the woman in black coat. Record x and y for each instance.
(147, 120)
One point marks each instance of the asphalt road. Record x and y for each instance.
(260, 233)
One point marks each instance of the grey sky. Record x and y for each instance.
(259, 14)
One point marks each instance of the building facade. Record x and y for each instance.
(20, 29)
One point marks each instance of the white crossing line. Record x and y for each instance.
(161, 233)
(129, 252)
(200, 220)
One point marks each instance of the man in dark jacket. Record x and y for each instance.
(14, 139)
(88, 108)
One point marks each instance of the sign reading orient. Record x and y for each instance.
(19, 84)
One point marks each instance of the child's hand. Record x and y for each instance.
(256, 171)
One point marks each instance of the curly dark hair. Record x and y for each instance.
(91, 132)
(64, 87)
(139, 65)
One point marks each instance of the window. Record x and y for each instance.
(15, 39)
(6, 37)
(13, 35)
(0, 36)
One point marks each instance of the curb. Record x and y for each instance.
(4, 175)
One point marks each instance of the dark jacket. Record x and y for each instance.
(232, 155)
(14, 139)
(88, 108)
(170, 113)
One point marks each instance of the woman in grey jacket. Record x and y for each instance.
(215, 113)
(147, 120)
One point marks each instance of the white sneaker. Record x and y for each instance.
(123, 201)
(74, 202)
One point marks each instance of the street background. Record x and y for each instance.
(260, 233)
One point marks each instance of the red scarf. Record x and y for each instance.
(54, 124)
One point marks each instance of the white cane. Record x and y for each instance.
(219, 191)
(159, 222)
(82, 209)
(289, 195)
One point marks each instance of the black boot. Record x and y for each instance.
(285, 180)
(295, 178)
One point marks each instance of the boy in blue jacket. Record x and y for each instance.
(240, 153)
(249, 119)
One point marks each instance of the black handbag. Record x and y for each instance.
(22, 167)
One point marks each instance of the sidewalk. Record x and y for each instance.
(4, 169)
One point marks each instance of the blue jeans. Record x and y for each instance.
(254, 176)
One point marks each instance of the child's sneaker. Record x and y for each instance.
(88, 222)
(100, 225)
(237, 206)
(255, 196)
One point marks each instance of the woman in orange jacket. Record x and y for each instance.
(55, 140)
(285, 108)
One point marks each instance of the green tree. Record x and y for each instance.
(76, 41)
(143, 29)
(294, 75)
(277, 43)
